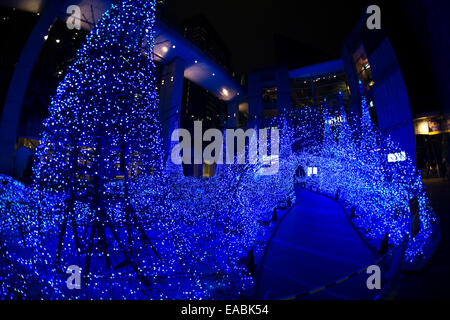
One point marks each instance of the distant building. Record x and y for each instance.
(198, 103)
(200, 32)
(369, 57)
(404, 68)
(193, 84)
(277, 89)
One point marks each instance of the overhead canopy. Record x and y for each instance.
(318, 70)
(200, 68)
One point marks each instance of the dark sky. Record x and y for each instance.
(306, 31)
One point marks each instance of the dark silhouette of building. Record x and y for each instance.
(404, 68)
(201, 33)
(198, 103)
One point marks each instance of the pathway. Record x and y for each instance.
(315, 245)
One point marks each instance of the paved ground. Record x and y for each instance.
(434, 281)
(314, 245)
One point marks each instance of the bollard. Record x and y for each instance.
(250, 262)
(391, 279)
(337, 195)
(384, 247)
(274, 215)
(268, 296)
(353, 213)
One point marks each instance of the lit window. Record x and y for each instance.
(422, 128)
(335, 120)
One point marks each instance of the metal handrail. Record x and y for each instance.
(341, 280)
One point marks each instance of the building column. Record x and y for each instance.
(233, 114)
(353, 80)
(255, 102)
(171, 95)
(19, 84)
(284, 101)
(391, 98)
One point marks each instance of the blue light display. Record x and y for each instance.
(353, 160)
(103, 198)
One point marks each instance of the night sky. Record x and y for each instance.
(264, 32)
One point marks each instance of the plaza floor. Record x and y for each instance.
(315, 245)
(434, 281)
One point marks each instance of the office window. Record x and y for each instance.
(362, 66)
(269, 95)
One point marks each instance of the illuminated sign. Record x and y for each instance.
(312, 171)
(422, 127)
(432, 126)
(335, 120)
(397, 157)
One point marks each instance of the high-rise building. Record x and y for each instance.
(404, 74)
(276, 89)
(199, 104)
(201, 33)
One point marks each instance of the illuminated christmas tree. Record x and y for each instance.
(328, 141)
(368, 136)
(344, 134)
(102, 134)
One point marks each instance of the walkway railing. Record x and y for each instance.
(390, 279)
(390, 270)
